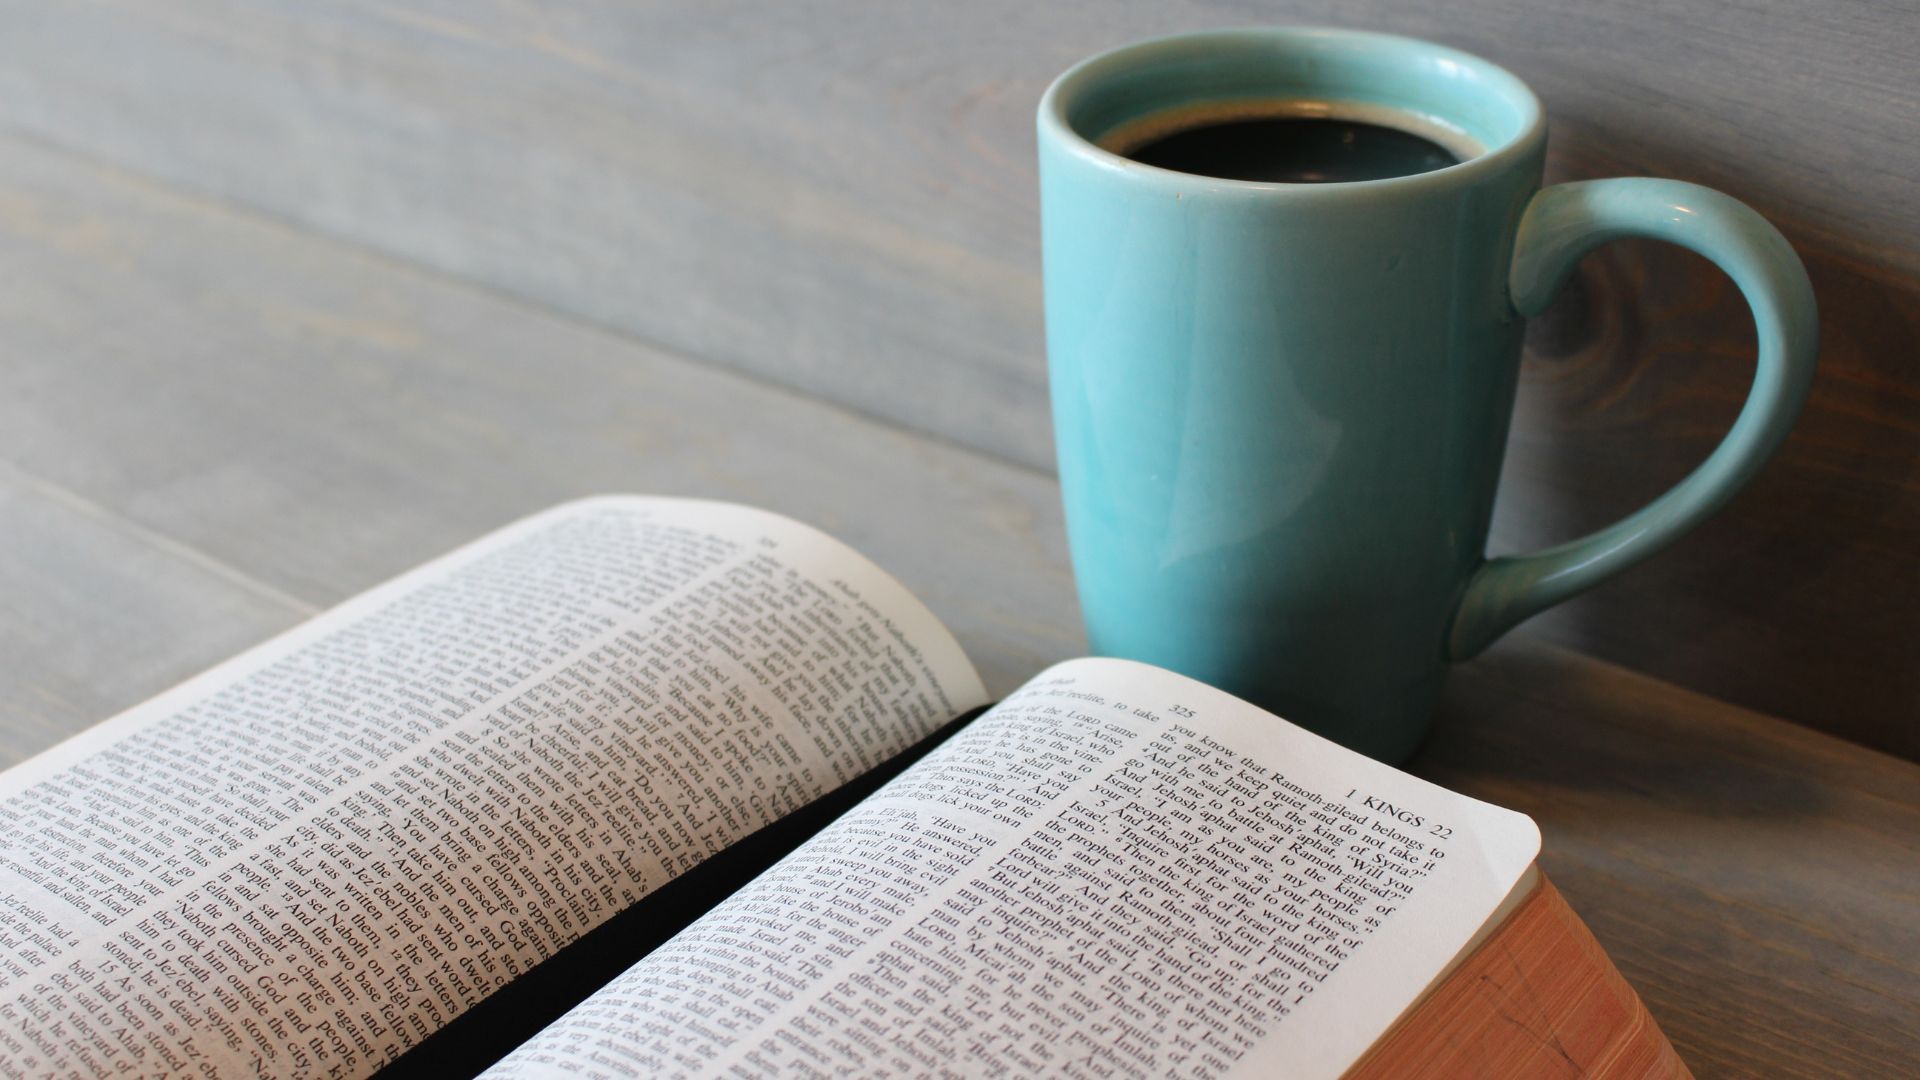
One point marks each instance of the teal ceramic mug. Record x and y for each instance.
(1280, 408)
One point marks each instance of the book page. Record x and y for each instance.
(1117, 872)
(306, 860)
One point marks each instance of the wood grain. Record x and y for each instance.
(99, 613)
(844, 184)
(842, 200)
(1799, 599)
(1539, 999)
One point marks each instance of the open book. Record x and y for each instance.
(313, 859)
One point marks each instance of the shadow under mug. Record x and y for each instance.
(1280, 409)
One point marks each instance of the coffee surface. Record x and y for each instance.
(1294, 150)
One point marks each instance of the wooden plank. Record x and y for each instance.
(1755, 881)
(614, 186)
(841, 185)
(99, 613)
(842, 200)
(314, 419)
(322, 419)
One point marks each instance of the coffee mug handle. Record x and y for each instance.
(1560, 225)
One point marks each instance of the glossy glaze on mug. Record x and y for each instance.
(1280, 409)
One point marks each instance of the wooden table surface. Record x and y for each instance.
(213, 424)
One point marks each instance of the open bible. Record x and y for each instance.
(333, 853)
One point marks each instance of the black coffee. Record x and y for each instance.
(1295, 150)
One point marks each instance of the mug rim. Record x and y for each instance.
(1062, 93)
